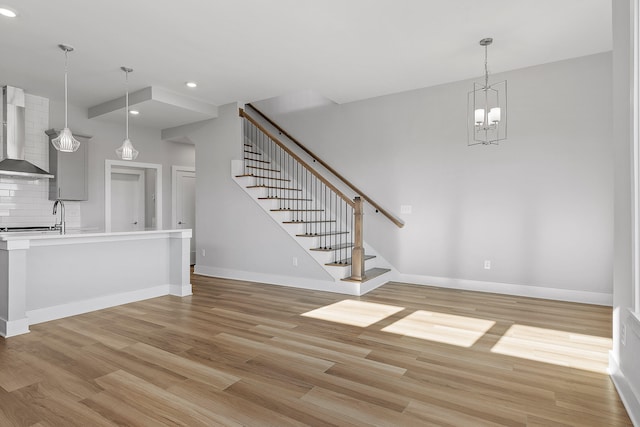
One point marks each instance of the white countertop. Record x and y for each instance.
(76, 235)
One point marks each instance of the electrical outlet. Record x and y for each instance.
(487, 264)
(623, 335)
(295, 261)
(406, 209)
(204, 253)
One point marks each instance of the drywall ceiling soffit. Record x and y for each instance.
(182, 134)
(159, 109)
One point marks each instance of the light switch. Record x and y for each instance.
(405, 209)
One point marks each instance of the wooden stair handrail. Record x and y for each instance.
(383, 211)
(298, 159)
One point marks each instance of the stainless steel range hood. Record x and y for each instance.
(13, 137)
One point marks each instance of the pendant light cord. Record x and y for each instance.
(126, 99)
(66, 61)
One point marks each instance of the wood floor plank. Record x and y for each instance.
(60, 409)
(353, 409)
(353, 350)
(182, 366)
(428, 412)
(282, 403)
(360, 390)
(311, 362)
(121, 412)
(245, 411)
(91, 329)
(160, 404)
(150, 372)
(15, 374)
(15, 410)
(242, 353)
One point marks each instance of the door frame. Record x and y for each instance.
(174, 190)
(109, 165)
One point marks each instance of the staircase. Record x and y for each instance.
(309, 207)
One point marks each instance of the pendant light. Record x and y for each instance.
(487, 108)
(126, 150)
(65, 141)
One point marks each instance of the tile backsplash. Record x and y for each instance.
(25, 202)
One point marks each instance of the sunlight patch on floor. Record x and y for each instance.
(352, 312)
(556, 347)
(444, 328)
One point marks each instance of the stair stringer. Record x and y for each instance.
(322, 258)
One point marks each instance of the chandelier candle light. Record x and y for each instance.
(126, 150)
(487, 108)
(65, 141)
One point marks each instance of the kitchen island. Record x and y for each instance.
(50, 276)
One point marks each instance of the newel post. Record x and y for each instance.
(357, 254)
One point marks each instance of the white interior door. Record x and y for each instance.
(186, 205)
(127, 200)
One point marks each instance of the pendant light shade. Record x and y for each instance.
(65, 141)
(126, 150)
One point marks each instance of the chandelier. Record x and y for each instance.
(487, 108)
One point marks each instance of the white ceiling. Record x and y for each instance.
(250, 50)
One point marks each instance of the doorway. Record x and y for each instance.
(133, 196)
(183, 202)
(128, 199)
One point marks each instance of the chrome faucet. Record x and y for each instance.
(62, 225)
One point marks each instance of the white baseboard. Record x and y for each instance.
(10, 328)
(443, 282)
(180, 290)
(510, 289)
(80, 307)
(347, 288)
(629, 396)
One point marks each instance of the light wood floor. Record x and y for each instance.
(237, 353)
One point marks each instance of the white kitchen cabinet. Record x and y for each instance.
(70, 170)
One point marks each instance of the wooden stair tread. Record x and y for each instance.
(277, 188)
(253, 152)
(330, 233)
(260, 176)
(347, 261)
(333, 248)
(257, 160)
(263, 169)
(308, 222)
(368, 275)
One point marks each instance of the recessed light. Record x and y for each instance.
(8, 12)
(134, 112)
(191, 84)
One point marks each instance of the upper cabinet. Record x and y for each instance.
(70, 170)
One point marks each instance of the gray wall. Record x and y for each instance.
(539, 206)
(239, 239)
(107, 137)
